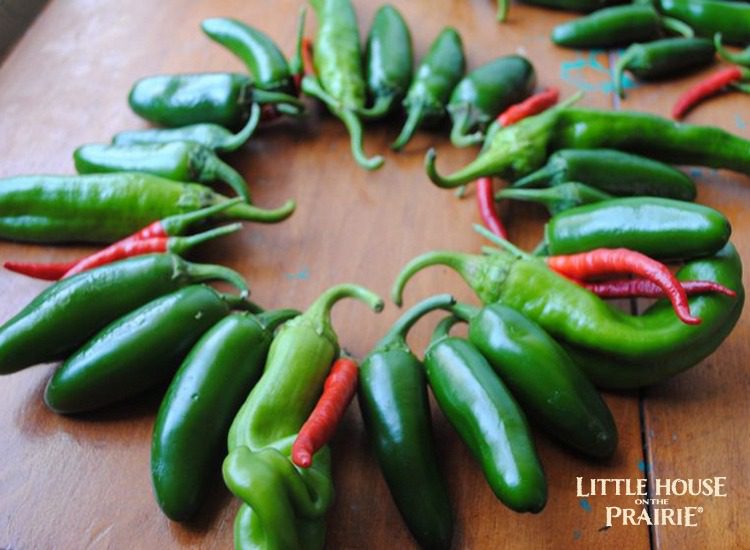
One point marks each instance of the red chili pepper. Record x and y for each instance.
(620, 261)
(487, 208)
(642, 288)
(318, 429)
(307, 57)
(708, 87)
(46, 272)
(532, 106)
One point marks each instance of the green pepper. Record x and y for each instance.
(283, 505)
(184, 161)
(486, 92)
(547, 383)
(663, 58)
(196, 412)
(437, 75)
(616, 26)
(340, 83)
(388, 61)
(657, 227)
(558, 198)
(178, 100)
(582, 6)
(487, 418)
(515, 151)
(215, 137)
(71, 311)
(707, 17)
(107, 207)
(393, 399)
(613, 172)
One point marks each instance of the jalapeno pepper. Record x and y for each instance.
(612, 172)
(660, 228)
(663, 58)
(574, 5)
(68, 313)
(184, 161)
(340, 82)
(177, 100)
(559, 198)
(283, 506)
(486, 92)
(388, 61)
(106, 207)
(706, 17)
(437, 75)
(196, 412)
(487, 418)
(396, 411)
(549, 386)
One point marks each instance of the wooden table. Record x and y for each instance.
(83, 481)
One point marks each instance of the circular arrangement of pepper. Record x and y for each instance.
(439, 339)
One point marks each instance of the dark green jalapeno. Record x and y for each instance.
(136, 352)
(393, 399)
(616, 26)
(184, 161)
(107, 207)
(486, 92)
(340, 80)
(582, 6)
(437, 75)
(191, 427)
(215, 137)
(558, 198)
(69, 312)
(548, 385)
(663, 58)
(707, 17)
(388, 61)
(177, 100)
(660, 228)
(612, 172)
(487, 418)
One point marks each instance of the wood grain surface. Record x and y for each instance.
(83, 481)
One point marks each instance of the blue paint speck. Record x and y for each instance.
(738, 120)
(585, 504)
(302, 275)
(576, 534)
(696, 172)
(643, 467)
(587, 73)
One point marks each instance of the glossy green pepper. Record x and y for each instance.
(707, 17)
(486, 92)
(396, 411)
(204, 396)
(487, 418)
(68, 313)
(613, 172)
(107, 207)
(549, 386)
(660, 228)
(340, 83)
(437, 75)
(558, 198)
(583, 6)
(277, 511)
(184, 161)
(388, 61)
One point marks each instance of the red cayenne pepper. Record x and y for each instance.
(44, 271)
(338, 391)
(531, 106)
(642, 288)
(487, 208)
(708, 87)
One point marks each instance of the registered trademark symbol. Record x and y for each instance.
(700, 509)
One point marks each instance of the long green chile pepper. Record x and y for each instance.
(660, 228)
(612, 172)
(396, 411)
(215, 137)
(616, 26)
(194, 417)
(258, 469)
(437, 75)
(575, 316)
(557, 199)
(487, 418)
(582, 6)
(549, 386)
(518, 150)
(69, 312)
(184, 161)
(388, 61)
(486, 92)
(340, 82)
(663, 58)
(218, 98)
(107, 207)
(739, 58)
(136, 352)
(707, 17)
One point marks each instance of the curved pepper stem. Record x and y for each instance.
(459, 136)
(292, 104)
(413, 120)
(400, 329)
(740, 58)
(320, 309)
(558, 198)
(240, 138)
(443, 328)
(208, 272)
(271, 320)
(180, 245)
(677, 26)
(354, 126)
(382, 107)
(213, 168)
(620, 67)
(249, 212)
(180, 223)
(465, 312)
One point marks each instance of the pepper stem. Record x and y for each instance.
(249, 212)
(296, 65)
(464, 311)
(240, 302)
(413, 120)
(502, 10)
(741, 58)
(270, 320)
(354, 126)
(207, 272)
(483, 165)
(504, 243)
(213, 168)
(311, 87)
(179, 223)
(620, 67)
(382, 106)
(539, 178)
(558, 198)
(443, 329)
(459, 137)
(677, 26)
(401, 327)
(179, 245)
(277, 98)
(238, 140)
